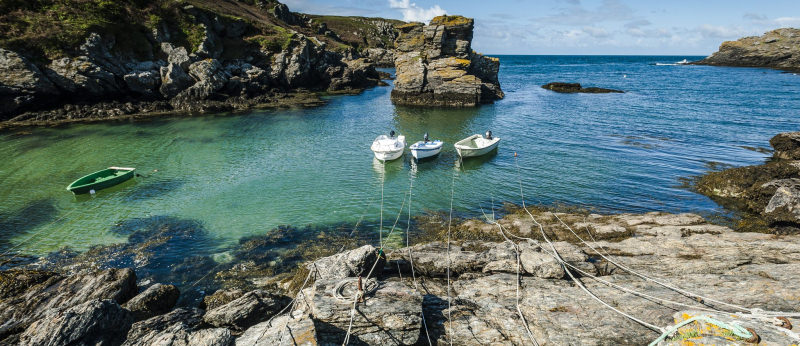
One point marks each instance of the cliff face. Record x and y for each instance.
(137, 56)
(776, 49)
(436, 66)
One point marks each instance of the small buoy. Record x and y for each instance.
(155, 170)
(624, 76)
(92, 192)
(515, 154)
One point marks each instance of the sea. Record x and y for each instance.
(237, 175)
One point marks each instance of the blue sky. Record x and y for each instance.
(669, 27)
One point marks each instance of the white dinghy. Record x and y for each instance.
(426, 148)
(477, 145)
(387, 148)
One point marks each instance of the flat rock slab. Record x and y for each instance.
(247, 310)
(390, 315)
(282, 331)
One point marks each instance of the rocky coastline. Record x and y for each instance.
(193, 57)
(436, 66)
(406, 295)
(767, 195)
(779, 49)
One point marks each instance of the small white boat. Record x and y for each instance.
(426, 148)
(477, 145)
(682, 62)
(387, 148)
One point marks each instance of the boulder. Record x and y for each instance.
(381, 56)
(356, 262)
(284, 330)
(786, 145)
(173, 80)
(22, 84)
(209, 78)
(220, 298)
(82, 77)
(59, 292)
(155, 300)
(436, 66)
(180, 327)
(390, 314)
(247, 310)
(95, 322)
(176, 55)
(143, 82)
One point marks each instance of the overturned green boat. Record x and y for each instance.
(101, 179)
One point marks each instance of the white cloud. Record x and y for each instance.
(788, 21)
(714, 31)
(413, 13)
(596, 32)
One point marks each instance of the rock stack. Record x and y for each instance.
(436, 66)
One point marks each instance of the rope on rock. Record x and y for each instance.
(411, 258)
(562, 261)
(733, 327)
(516, 249)
(751, 311)
(449, 224)
(291, 304)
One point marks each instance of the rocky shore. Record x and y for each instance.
(767, 195)
(436, 66)
(196, 56)
(778, 49)
(406, 301)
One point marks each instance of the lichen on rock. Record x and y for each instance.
(436, 66)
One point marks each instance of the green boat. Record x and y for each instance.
(101, 179)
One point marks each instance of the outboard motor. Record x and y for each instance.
(488, 135)
(425, 137)
(391, 133)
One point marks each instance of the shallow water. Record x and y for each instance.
(240, 175)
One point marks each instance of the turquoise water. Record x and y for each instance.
(244, 174)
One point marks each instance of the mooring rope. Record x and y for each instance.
(291, 304)
(42, 229)
(516, 250)
(449, 224)
(411, 258)
(669, 286)
(562, 261)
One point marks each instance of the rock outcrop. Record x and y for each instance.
(768, 194)
(776, 49)
(31, 303)
(155, 300)
(237, 56)
(95, 322)
(577, 88)
(436, 66)
(492, 281)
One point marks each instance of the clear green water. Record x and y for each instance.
(241, 175)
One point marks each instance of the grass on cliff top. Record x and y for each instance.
(359, 32)
(450, 20)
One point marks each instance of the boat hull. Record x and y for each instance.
(422, 150)
(465, 151)
(100, 180)
(388, 148)
(388, 155)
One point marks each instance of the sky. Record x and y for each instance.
(614, 27)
